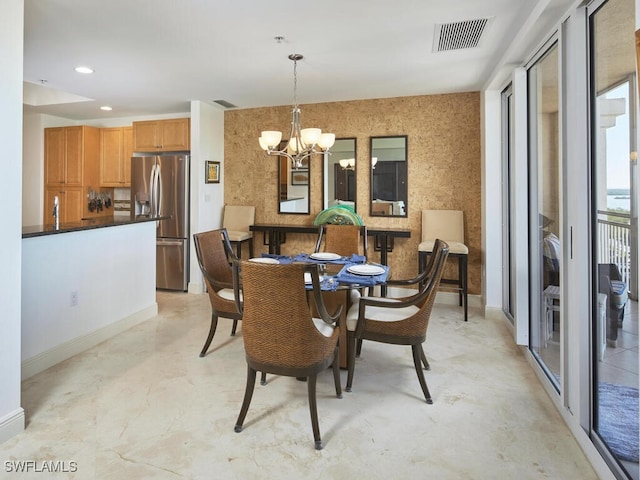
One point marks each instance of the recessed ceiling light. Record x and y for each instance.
(106, 108)
(84, 69)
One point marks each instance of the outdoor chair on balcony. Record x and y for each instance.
(611, 284)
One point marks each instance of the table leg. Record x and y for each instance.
(383, 260)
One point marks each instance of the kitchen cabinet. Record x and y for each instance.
(116, 148)
(63, 156)
(70, 201)
(72, 169)
(171, 135)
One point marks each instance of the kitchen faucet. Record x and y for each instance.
(56, 212)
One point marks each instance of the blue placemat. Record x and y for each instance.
(369, 280)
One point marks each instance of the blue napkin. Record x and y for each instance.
(355, 258)
(368, 280)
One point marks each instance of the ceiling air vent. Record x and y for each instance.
(458, 35)
(225, 104)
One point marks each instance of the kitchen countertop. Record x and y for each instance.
(89, 224)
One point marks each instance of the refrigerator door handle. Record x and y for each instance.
(159, 189)
(152, 205)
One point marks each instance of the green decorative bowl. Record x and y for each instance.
(338, 215)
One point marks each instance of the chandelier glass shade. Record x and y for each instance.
(303, 142)
(348, 163)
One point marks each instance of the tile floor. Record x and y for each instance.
(143, 405)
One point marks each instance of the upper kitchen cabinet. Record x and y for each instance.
(161, 135)
(72, 170)
(63, 154)
(116, 149)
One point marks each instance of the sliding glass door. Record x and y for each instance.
(614, 234)
(545, 220)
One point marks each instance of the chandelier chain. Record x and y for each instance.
(295, 82)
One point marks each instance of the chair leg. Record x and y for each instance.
(313, 409)
(425, 362)
(359, 347)
(351, 358)
(417, 362)
(239, 249)
(212, 331)
(336, 372)
(251, 247)
(263, 379)
(422, 263)
(248, 393)
(463, 275)
(233, 328)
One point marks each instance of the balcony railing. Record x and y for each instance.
(614, 241)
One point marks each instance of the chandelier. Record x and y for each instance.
(348, 163)
(303, 142)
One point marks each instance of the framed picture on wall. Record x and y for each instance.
(300, 177)
(212, 172)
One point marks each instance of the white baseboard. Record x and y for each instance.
(195, 287)
(44, 360)
(494, 313)
(11, 425)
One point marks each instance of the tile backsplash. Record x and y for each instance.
(122, 201)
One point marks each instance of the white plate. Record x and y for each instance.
(325, 256)
(365, 269)
(263, 260)
(307, 277)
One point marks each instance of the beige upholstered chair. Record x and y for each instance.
(398, 321)
(448, 225)
(237, 220)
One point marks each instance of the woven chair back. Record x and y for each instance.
(345, 239)
(214, 263)
(277, 323)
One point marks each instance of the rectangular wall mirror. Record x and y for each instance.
(389, 193)
(339, 174)
(293, 187)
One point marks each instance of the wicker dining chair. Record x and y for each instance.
(214, 251)
(280, 335)
(342, 239)
(399, 321)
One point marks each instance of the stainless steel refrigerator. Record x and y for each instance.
(160, 187)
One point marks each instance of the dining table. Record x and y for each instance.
(340, 276)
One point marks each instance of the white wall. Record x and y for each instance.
(111, 269)
(207, 199)
(11, 47)
(491, 201)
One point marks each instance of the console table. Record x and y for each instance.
(277, 235)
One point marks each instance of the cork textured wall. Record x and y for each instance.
(443, 161)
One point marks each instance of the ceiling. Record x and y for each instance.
(154, 57)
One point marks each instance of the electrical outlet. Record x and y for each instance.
(74, 298)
